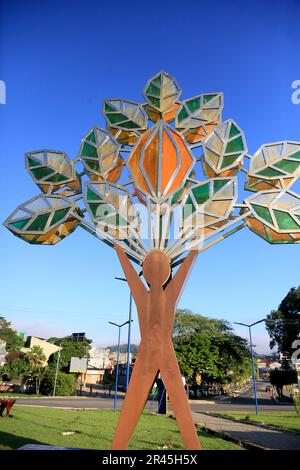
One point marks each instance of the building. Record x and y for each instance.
(48, 348)
(101, 360)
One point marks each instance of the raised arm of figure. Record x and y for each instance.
(175, 287)
(136, 285)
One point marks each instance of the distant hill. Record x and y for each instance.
(123, 348)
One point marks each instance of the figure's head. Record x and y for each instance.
(156, 268)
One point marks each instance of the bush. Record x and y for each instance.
(65, 384)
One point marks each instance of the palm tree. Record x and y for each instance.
(36, 359)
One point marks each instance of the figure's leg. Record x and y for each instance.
(173, 382)
(141, 381)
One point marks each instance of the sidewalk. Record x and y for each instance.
(249, 434)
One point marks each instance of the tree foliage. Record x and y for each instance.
(65, 384)
(208, 347)
(69, 349)
(16, 369)
(7, 334)
(283, 324)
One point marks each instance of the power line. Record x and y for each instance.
(60, 314)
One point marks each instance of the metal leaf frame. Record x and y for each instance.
(161, 157)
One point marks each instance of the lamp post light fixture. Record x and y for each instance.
(56, 371)
(252, 358)
(117, 365)
(129, 334)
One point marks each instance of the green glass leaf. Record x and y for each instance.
(269, 172)
(91, 137)
(263, 212)
(153, 90)
(42, 172)
(57, 178)
(285, 221)
(207, 98)
(89, 150)
(33, 162)
(233, 131)
(193, 104)
(295, 155)
(39, 223)
(157, 80)
(235, 145)
(91, 195)
(119, 112)
(130, 125)
(108, 108)
(154, 101)
(182, 114)
(287, 165)
(229, 160)
(20, 223)
(93, 165)
(201, 193)
(116, 118)
(219, 184)
(59, 215)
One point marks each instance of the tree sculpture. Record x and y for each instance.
(180, 182)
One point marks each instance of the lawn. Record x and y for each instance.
(283, 419)
(19, 395)
(94, 430)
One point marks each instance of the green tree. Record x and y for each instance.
(7, 334)
(208, 347)
(69, 349)
(36, 359)
(18, 369)
(283, 324)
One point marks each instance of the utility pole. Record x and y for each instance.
(56, 372)
(129, 334)
(118, 355)
(252, 359)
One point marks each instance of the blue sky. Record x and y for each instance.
(59, 60)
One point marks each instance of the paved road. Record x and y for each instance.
(245, 402)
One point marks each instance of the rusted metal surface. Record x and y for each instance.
(156, 311)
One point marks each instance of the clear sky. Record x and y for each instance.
(59, 59)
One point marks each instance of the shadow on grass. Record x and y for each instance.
(11, 441)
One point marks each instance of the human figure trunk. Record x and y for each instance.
(156, 311)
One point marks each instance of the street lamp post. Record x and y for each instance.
(129, 334)
(56, 372)
(252, 359)
(118, 355)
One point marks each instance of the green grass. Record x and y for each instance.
(283, 419)
(19, 395)
(95, 430)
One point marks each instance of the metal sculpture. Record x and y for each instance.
(170, 166)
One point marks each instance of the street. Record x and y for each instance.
(244, 402)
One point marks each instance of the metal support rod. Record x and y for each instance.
(129, 341)
(252, 359)
(253, 372)
(117, 372)
(117, 365)
(56, 372)
(129, 333)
